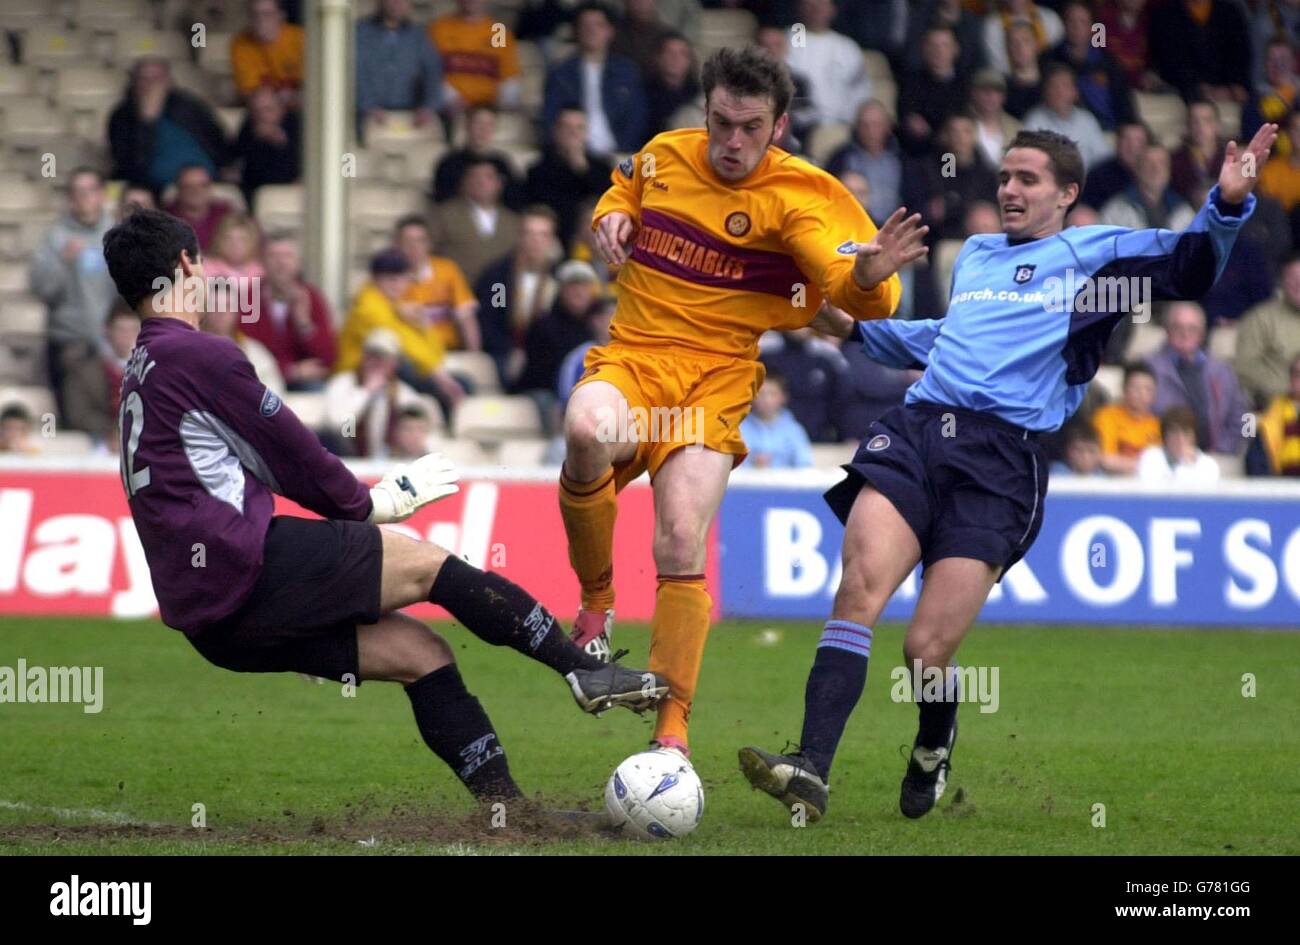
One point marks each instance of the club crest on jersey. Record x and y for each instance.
(1024, 274)
(878, 442)
(847, 248)
(270, 403)
(627, 167)
(738, 223)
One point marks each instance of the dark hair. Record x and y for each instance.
(412, 412)
(668, 36)
(85, 169)
(1057, 68)
(1063, 157)
(144, 247)
(16, 411)
(593, 7)
(184, 168)
(389, 262)
(412, 219)
(776, 377)
(541, 210)
(749, 71)
(1291, 259)
(1137, 367)
(1178, 417)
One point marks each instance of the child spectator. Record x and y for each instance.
(1083, 456)
(774, 437)
(1177, 459)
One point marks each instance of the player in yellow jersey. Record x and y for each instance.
(719, 237)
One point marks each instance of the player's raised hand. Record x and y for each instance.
(830, 320)
(899, 242)
(613, 234)
(408, 488)
(1241, 167)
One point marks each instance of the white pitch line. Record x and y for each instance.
(68, 813)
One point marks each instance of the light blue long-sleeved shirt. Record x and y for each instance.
(782, 439)
(1027, 322)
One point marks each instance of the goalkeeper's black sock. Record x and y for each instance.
(937, 710)
(504, 614)
(838, 676)
(458, 731)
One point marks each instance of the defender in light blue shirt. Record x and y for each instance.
(955, 478)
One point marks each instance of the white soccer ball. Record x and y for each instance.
(655, 795)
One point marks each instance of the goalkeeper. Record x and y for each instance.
(204, 445)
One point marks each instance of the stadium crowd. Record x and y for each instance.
(486, 133)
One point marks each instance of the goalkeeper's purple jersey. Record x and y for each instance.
(204, 445)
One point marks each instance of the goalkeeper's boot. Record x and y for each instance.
(927, 776)
(596, 690)
(591, 632)
(791, 779)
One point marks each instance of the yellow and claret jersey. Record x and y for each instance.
(713, 264)
(1124, 433)
(278, 64)
(440, 288)
(1280, 425)
(471, 64)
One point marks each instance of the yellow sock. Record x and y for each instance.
(677, 634)
(589, 510)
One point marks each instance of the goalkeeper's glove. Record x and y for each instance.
(409, 487)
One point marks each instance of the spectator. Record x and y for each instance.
(134, 197)
(774, 437)
(1186, 376)
(582, 242)
(928, 96)
(268, 53)
(558, 332)
(1103, 89)
(1177, 459)
(1199, 158)
(1043, 22)
(1024, 78)
(439, 288)
(1128, 27)
(234, 266)
(1203, 49)
(269, 144)
(982, 217)
(1083, 452)
(832, 63)
(16, 430)
(965, 25)
(1269, 339)
(295, 322)
(120, 335)
(379, 305)
(878, 25)
(816, 375)
(516, 289)
(364, 404)
(224, 321)
(1277, 94)
(157, 130)
(670, 82)
(480, 132)
(867, 391)
(1118, 173)
(1150, 201)
(480, 57)
(1279, 178)
(196, 205)
(1279, 427)
(994, 128)
(1060, 112)
(412, 433)
(69, 275)
(477, 227)
(1126, 428)
(603, 84)
(599, 319)
(567, 174)
(398, 68)
(941, 186)
(1273, 18)
(640, 34)
(803, 113)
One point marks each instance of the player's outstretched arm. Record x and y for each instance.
(1241, 166)
(409, 487)
(892, 342)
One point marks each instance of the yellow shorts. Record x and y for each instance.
(676, 399)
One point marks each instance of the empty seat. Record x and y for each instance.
(461, 452)
(493, 418)
(1110, 379)
(214, 54)
(111, 14)
(22, 360)
(22, 316)
(826, 139)
(46, 46)
(1146, 340)
(521, 454)
(15, 82)
(1166, 114)
(402, 125)
(515, 130)
(30, 123)
(24, 15)
(478, 367)
(832, 455)
(279, 206)
(13, 278)
(22, 199)
(134, 44)
(402, 162)
(1223, 342)
(66, 443)
(371, 202)
(726, 28)
(307, 406)
(1230, 467)
(231, 194)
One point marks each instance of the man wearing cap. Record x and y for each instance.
(994, 128)
(560, 330)
(363, 404)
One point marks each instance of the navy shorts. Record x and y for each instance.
(969, 484)
(320, 580)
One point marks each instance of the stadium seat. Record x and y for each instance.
(515, 130)
(231, 194)
(437, 419)
(401, 161)
(885, 91)
(20, 199)
(532, 89)
(401, 125)
(719, 28)
(1110, 378)
(380, 205)
(1230, 120)
(67, 443)
(22, 360)
(478, 367)
(832, 455)
(13, 278)
(22, 16)
(214, 54)
(39, 400)
(461, 452)
(31, 124)
(826, 139)
(494, 418)
(232, 119)
(1147, 339)
(51, 47)
(877, 66)
(307, 406)
(1165, 113)
(279, 206)
(531, 58)
(521, 159)
(1230, 467)
(133, 44)
(111, 14)
(15, 82)
(25, 315)
(1223, 342)
(521, 454)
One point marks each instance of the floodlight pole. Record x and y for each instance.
(328, 139)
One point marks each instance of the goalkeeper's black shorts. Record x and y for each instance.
(320, 579)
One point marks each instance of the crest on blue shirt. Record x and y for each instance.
(627, 166)
(1024, 274)
(270, 403)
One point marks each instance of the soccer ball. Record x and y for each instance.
(655, 795)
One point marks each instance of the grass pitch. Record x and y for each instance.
(1153, 724)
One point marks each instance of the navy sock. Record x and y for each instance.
(504, 614)
(835, 684)
(458, 731)
(937, 715)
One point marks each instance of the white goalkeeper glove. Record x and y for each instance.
(409, 487)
